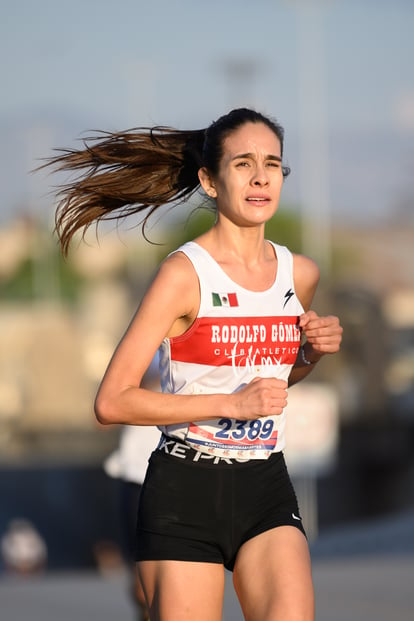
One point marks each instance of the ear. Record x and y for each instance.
(207, 182)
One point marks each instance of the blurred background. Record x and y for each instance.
(338, 75)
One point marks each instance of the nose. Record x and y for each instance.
(260, 176)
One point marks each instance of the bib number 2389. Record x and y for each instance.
(244, 429)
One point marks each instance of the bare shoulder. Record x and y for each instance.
(178, 270)
(176, 286)
(306, 276)
(305, 268)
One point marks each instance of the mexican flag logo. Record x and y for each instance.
(225, 299)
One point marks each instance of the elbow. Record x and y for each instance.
(104, 411)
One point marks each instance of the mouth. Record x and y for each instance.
(258, 200)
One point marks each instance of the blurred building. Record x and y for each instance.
(56, 344)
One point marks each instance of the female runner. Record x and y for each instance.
(230, 315)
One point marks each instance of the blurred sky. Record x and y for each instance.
(344, 65)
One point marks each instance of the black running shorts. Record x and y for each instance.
(194, 507)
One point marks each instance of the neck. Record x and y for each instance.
(228, 243)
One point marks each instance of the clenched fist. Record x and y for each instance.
(323, 333)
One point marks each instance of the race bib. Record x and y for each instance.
(229, 437)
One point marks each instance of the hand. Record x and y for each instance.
(262, 397)
(324, 334)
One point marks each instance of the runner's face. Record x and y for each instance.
(250, 177)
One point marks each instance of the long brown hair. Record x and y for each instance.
(124, 173)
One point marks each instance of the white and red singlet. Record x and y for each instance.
(238, 335)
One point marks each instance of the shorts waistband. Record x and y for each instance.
(180, 450)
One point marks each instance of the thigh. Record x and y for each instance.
(272, 577)
(183, 590)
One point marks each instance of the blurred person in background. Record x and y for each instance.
(230, 315)
(23, 548)
(127, 465)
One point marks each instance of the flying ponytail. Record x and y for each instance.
(125, 173)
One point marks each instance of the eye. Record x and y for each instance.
(242, 164)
